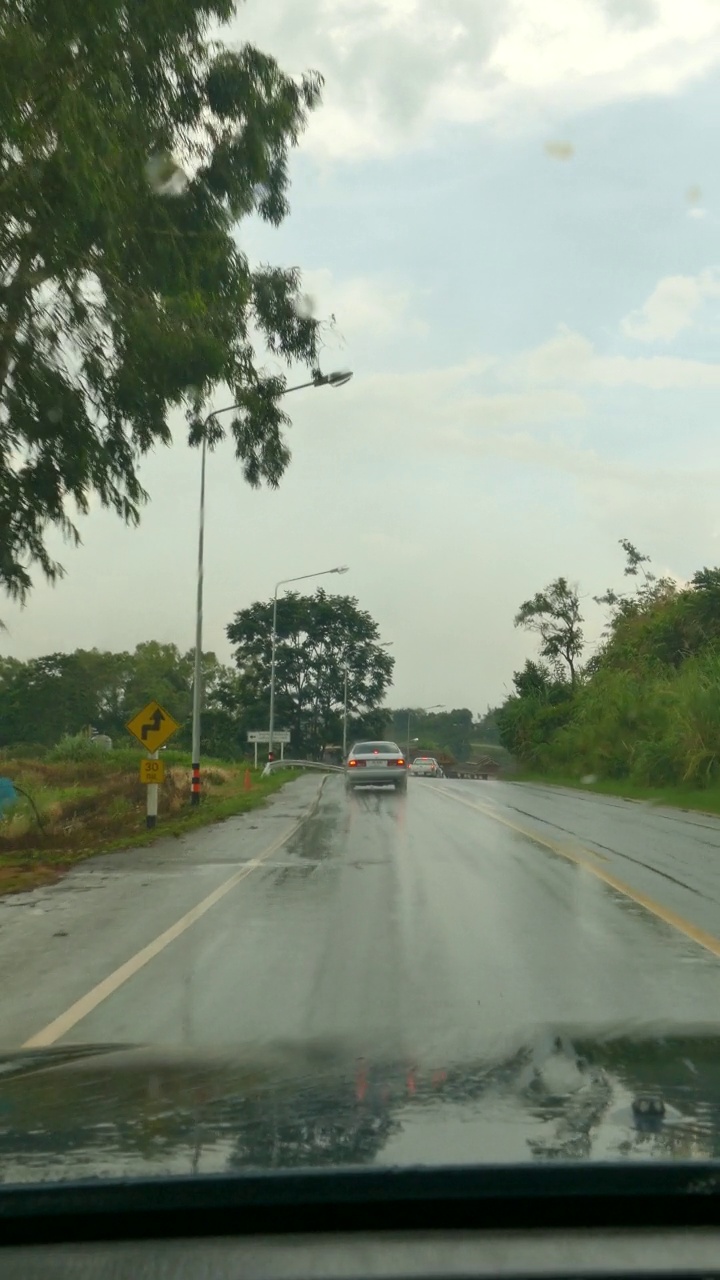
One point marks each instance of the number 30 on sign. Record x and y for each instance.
(152, 770)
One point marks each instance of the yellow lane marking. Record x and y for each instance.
(553, 845)
(677, 922)
(87, 1003)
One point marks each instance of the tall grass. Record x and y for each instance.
(656, 729)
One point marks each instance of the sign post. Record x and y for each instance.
(152, 727)
(152, 798)
(263, 735)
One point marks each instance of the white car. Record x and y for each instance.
(425, 767)
(376, 764)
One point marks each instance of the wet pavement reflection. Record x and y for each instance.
(405, 980)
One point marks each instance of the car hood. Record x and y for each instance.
(108, 1110)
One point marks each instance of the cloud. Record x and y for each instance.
(437, 402)
(570, 358)
(396, 69)
(672, 306)
(631, 14)
(363, 306)
(561, 454)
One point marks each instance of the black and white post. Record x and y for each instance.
(152, 799)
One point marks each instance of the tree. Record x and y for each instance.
(531, 717)
(66, 693)
(486, 728)
(650, 588)
(131, 146)
(554, 614)
(318, 636)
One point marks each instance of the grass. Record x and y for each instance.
(97, 805)
(706, 800)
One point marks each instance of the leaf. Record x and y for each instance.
(132, 144)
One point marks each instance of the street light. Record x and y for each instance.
(284, 582)
(337, 379)
(388, 645)
(435, 707)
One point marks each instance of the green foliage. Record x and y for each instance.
(539, 709)
(64, 694)
(486, 728)
(73, 748)
(646, 709)
(132, 144)
(318, 637)
(554, 614)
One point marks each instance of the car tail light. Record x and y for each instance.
(400, 761)
(356, 764)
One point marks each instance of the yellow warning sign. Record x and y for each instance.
(152, 726)
(152, 770)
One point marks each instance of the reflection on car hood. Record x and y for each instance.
(109, 1111)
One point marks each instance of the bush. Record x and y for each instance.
(73, 748)
(24, 751)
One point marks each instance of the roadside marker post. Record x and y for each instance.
(152, 798)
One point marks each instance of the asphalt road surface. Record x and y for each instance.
(431, 924)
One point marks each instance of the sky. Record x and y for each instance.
(512, 211)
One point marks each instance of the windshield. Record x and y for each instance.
(283, 288)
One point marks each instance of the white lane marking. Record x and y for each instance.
(87, 1003)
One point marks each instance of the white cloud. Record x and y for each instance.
(556, 452)
(397, 68)
(570, 358)
(363, 306)
(672, 306)
(433, 404)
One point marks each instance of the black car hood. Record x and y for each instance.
(566, 1093)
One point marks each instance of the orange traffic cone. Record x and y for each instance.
(247, 784)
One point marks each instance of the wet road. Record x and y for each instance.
(434, 925)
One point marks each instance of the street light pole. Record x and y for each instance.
(197, 678)
(284, 582)
(337, 379)
(435, 707)
(345, 717)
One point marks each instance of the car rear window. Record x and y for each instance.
(382, 748)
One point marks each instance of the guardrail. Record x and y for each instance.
(272, 765)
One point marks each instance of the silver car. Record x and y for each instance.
(376, 764)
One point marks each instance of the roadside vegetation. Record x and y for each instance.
(640, 716)
(319, 636)
(78, 801)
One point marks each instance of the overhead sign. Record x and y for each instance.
(152, 771)
(152, 726)
(263, 735)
